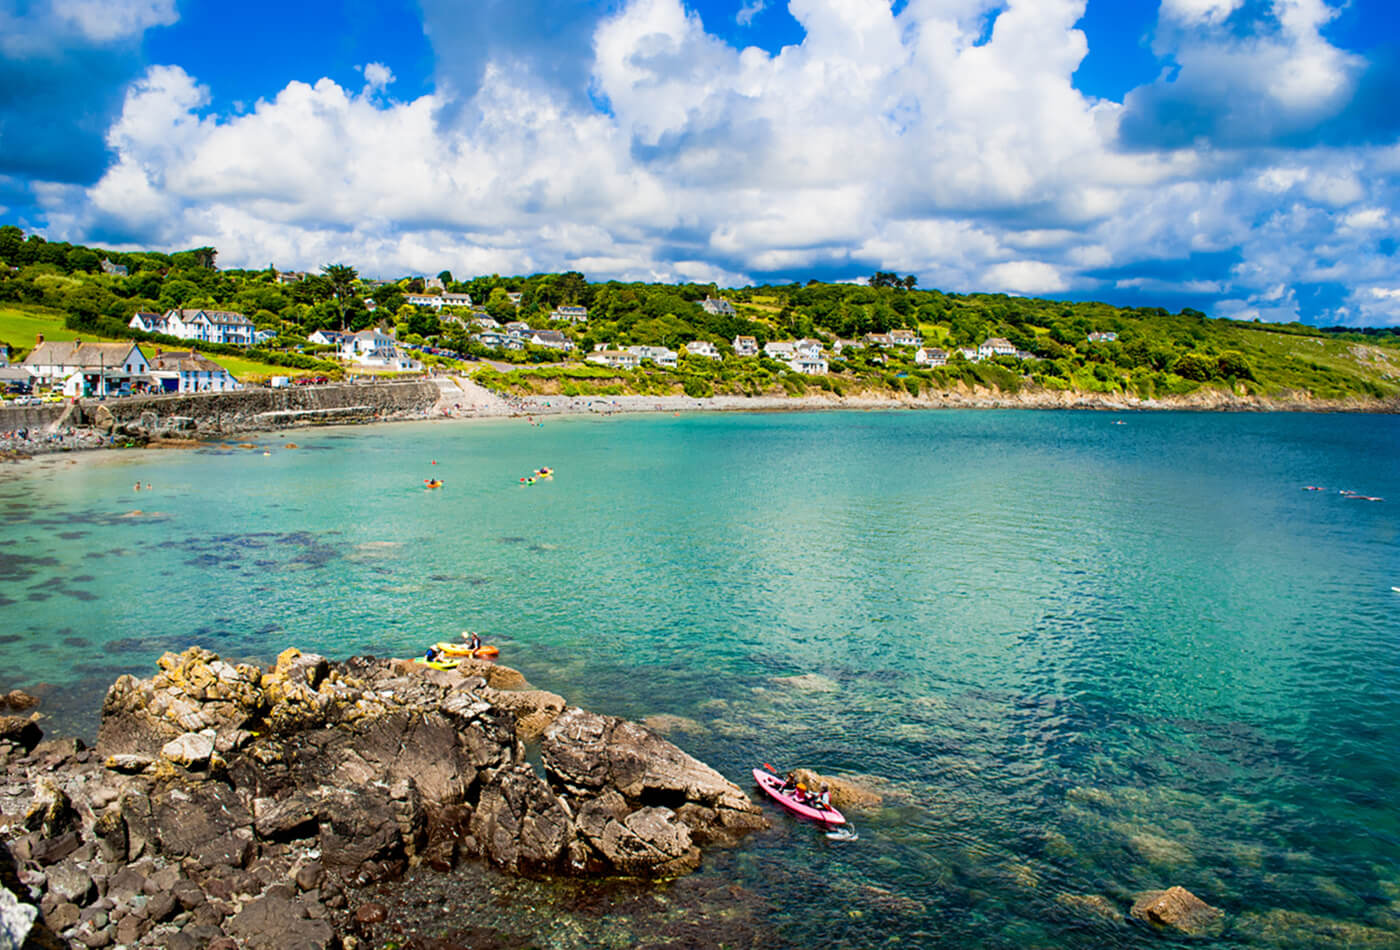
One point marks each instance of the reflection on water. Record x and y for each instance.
(1077, 661)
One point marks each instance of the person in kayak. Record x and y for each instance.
(473, 641)
(789, 784)
(823, 801)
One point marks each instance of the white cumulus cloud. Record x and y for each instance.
(884, 140)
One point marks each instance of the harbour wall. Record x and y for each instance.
(240, 411)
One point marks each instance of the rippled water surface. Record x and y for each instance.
(1081, 659)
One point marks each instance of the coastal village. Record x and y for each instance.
(94, 323)
(107, 369)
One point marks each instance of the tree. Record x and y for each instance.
(1233, 363)
(1195, 366)
(342, 280)
(446, 278)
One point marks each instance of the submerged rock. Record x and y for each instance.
(1178, 908)
(845, 792)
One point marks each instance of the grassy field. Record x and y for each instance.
(20, 325)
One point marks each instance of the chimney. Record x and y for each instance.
(77, 343)
(39, 338)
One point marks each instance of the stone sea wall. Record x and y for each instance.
(233, 806)
(200, 414)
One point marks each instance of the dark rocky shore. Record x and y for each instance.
(229, 806)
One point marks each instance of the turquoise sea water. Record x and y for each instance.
(1081, 659)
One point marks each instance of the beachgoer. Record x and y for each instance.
(431, 654)
(138, 487)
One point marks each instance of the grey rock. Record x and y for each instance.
(96, 939)
(191, 750)
(72, 884)
(51, 813)
(52, 850)
(187, 818)
(310, 875)
(286, 820)
(63, 916)
(276, 923)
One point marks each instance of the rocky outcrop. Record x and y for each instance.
(1177, 908)
(231, 803)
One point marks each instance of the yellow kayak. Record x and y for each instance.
(462, 649)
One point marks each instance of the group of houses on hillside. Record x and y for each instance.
(85, 368)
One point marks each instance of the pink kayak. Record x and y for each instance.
(773, 785)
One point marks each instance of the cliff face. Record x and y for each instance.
(229, 801)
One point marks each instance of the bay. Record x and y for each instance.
(1082, 655)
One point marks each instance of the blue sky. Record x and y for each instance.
(1237, 156)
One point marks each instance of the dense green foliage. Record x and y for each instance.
(1155, 353)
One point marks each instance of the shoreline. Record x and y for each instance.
(475, 402)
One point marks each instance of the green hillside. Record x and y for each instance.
(1156, 354)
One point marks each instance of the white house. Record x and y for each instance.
(904, 338)
(1026, 355)
(186, 371)
(552, 339)
(518, 328)
(514, 298)
(840, 346)
(491, 338)
(808, 365)
(149, 323)
(882, 340)
(210, 326)
(262, 336)
(745, 346)
(433, 283)
(703, 348)
(660, 355)
(995, 346)
(718, 307)
(780, 350)
(617, 359)
(808, 348)
(327, 337)
(290, 276)
(1102, 337)
(456, 300)
(432, 301)
(374, 348)
(87, 369)
(930, 356)
(486, 323)
(970, 353)
(571, 313)
(113, 270)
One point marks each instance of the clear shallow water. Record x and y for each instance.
(1081, 658)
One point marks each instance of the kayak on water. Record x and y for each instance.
(773, 785)
(463, 649)
(436, 664)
